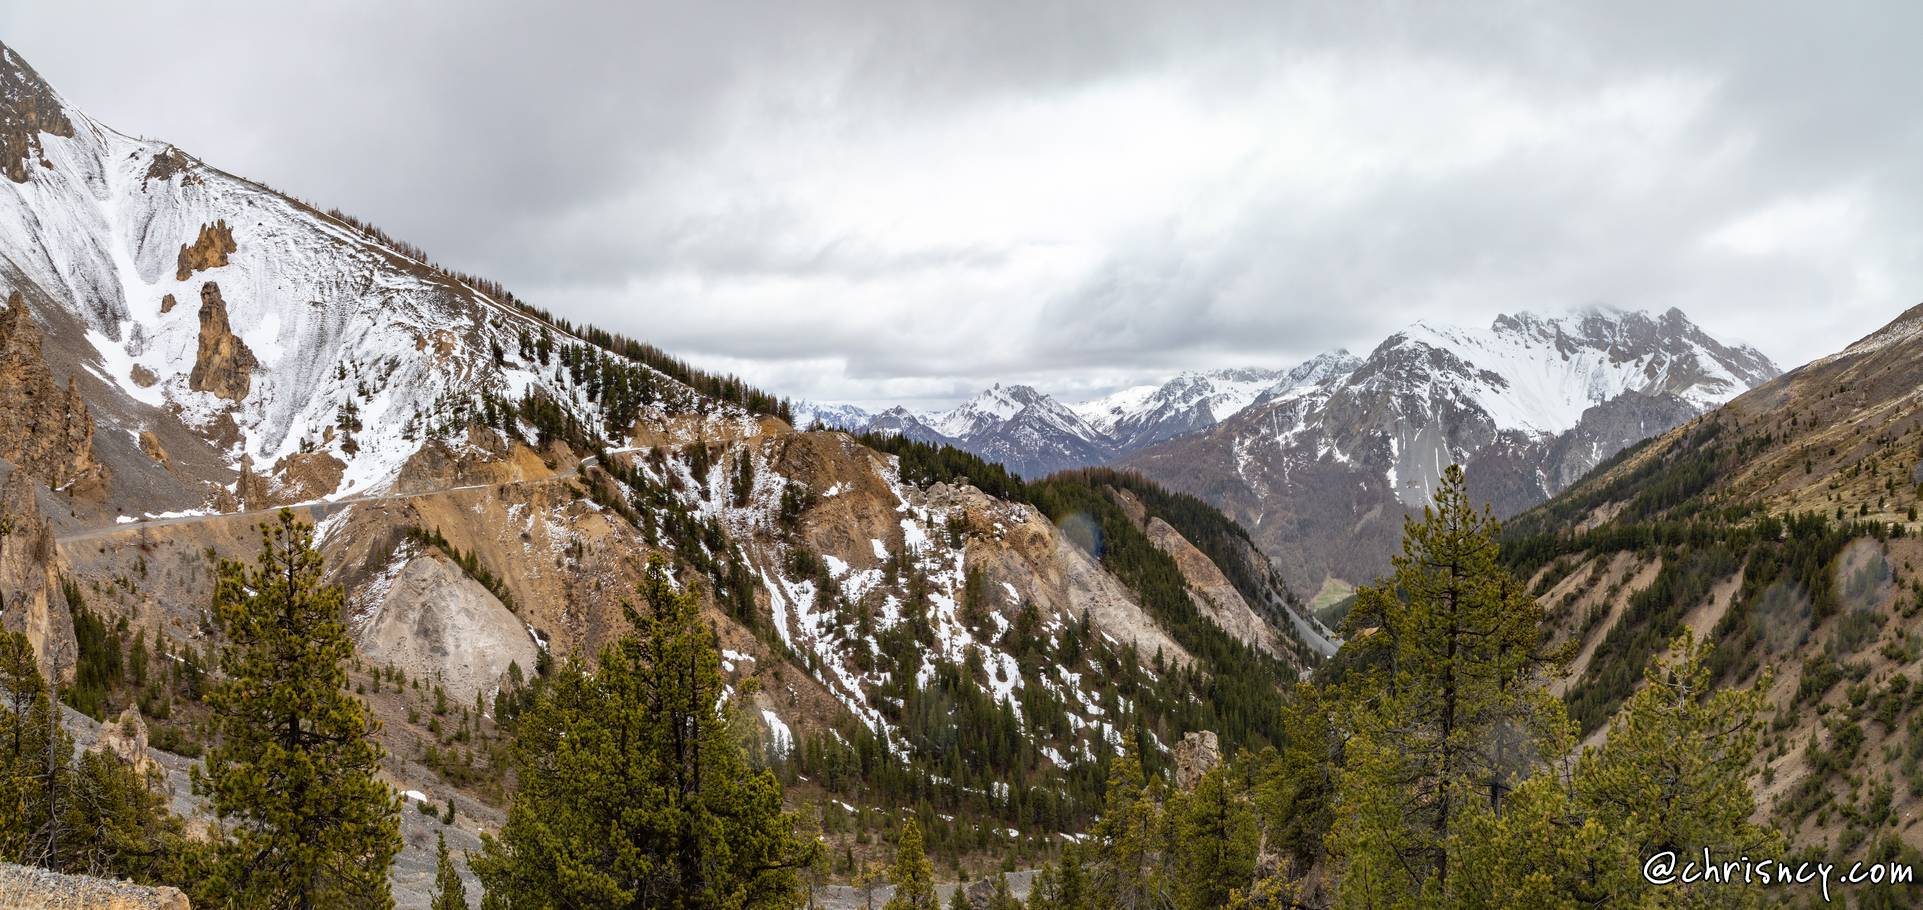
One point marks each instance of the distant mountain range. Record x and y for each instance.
(1320, 461)
(1033, 434)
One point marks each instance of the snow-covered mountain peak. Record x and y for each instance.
(1538, 374)
(1323, 367)
(1191, 400)
(1104, 412)
(993, 405)
(824, 415)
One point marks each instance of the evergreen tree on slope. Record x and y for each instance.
(292, 774)
(634, 790)
(1446, 713)
(913, 876)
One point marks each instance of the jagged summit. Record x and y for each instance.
(1426, 396)
(1323, 470)
(1190, 402)
(1539, 375)
(28, 107)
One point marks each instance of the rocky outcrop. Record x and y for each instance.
(305, 476)
(167, 304)
(44, 430)
(126, 738)
(1196, 755)
(150, 446)
(30, 600)
(250, 488)
(437, 623)
(1214, 595)
(28, 107)
(224, 365)
(31, 888)
(169, 164)
(208, 251)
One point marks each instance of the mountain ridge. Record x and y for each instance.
(488, 482)
(1324, 473)
(1782, 526)
(1342, 446)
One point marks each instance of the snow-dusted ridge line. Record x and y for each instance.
(335, 316)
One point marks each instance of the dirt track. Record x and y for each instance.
(314, 511)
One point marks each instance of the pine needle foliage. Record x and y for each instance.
(292, 777)
(635, 791)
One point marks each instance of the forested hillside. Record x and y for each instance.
(1783, 528)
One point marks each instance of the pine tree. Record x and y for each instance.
(450, 893)
(1125, 869)
(1215, 841)
(119, 826)
(1002, 898)
(1044, 890)
(31, 778)
(959, 899)
(292, 775)
(1294, 786)
(912, 875)
(1672, 775)
(870, 877)
(634, 789)
(1063, 886)
(92, 814)
(1445, 714)
(1674, 772)
(1675, 767)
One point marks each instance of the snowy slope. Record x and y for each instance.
(1105, 412)
(823, 415)
(366, 358)
(998, 404)
(1539, 375)
(1433, 395)
(334, 317)
(1029, 432)
(1195, 401)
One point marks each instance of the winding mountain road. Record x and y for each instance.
(316, 511)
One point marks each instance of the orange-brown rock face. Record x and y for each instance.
(224, 365)
(30, 599)
(251, 488)
(29, 109)
(45, 430)
(208, 251)
(150, 444)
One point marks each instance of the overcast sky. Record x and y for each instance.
(902, 201)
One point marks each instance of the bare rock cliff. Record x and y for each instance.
(208, 251)
(44, 430)
(30, 599)
(27, 109)
(224, 364)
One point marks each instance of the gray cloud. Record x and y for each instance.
(905, 201)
